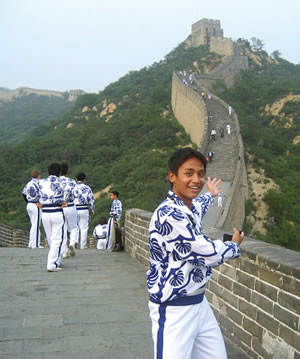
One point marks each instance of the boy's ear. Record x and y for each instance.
(171, 177)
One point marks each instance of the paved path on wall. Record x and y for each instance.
(95, 308)
(225, 151)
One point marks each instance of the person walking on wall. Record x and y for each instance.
(31, 196)
(213, 134)
(228, 127)
(85, 202)
(52, 203)
(221, 131)
(220, 198)
(181, 262)
(70, 212)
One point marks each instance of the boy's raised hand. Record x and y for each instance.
(213, 185)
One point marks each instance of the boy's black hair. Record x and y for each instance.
(54, 169)
(116, 193)
(64, 168)
(81, 176)
(35, 174)
(181, 155)
(102, 220)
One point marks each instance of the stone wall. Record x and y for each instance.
(256, 298)
(190, 111)
(221, 46)
(10, 237)
(136, 234)
(233, 213)
(225, 71)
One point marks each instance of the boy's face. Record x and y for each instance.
(112, 196)
(189, 181)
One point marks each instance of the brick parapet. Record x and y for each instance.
(10, 237)
(256, 298)
(190, 111)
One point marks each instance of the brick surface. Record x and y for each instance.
(268, 322)
(253, 328)
(290, 302)
(245, 279)
(225, 281)
(242, 291)
(247, 308)
(291, 285)
(267, 290)
(263, 302)
(286, 317)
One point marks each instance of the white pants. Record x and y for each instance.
(101, 244)
(54, 228)
(186, 332)
(219, 201)
(34, 214)
(83, 224)
(71, 226)
(111, 235)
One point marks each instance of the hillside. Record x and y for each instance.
(20, 112)
(122, 137)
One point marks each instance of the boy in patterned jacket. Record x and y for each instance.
(181, 261)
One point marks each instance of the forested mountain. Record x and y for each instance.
(20, 115)
(122, 138)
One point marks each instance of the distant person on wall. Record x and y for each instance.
(228, 128)
(70, 212)
(213, 134)
(181, 261)
(101, 233)
(115, 234)
(220, 198)
(229, 110)
(52, 203)
(31, 196)
(84, 200)
(210, 156)
(221, 131)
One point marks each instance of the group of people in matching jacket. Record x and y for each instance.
(63, 205)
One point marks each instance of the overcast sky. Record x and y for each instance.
(87, 44)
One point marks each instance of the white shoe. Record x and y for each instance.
(65, 255)
(55, 270)
(41, 247)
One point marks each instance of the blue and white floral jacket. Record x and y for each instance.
(181, 256)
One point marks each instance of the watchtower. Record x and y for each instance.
(204, 29)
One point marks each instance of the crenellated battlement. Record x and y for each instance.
(205, 29)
